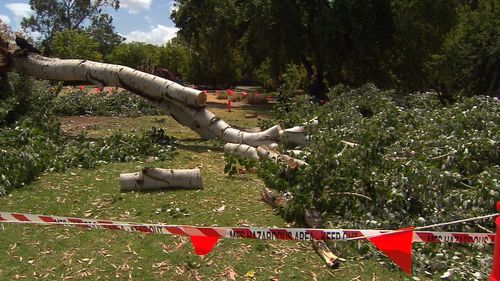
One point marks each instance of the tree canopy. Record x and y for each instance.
(75, 44)
(52, 16)
(392, 43)
(449, 46)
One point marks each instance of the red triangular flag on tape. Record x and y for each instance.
(203, 244)
(397, 246)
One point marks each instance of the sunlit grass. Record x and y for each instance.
(55, 253)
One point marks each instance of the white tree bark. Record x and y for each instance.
(262, 152)
(184, 104)
(299, 135)
(294, 163)
(242, 150)
(155, 178)
(296, 135)
(209, 126)
(102, 74)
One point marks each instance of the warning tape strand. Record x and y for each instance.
(300, 234)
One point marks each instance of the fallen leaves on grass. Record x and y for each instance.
(221, 209)
(229, 273)
(250, 274)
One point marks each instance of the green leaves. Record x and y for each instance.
(234, 164)
(411, 156)
(381, 160)
(469, 61)
(76, 44)
(31, 141)
(84, 102)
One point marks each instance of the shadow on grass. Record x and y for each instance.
(198, 145)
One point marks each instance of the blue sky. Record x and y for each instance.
(136, 20)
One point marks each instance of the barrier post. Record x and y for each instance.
(495, 269)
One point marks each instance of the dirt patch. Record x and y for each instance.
(76, 124)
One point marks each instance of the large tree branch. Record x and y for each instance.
(184, 104)
(103, 74)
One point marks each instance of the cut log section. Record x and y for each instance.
(264, 151)
(155, 178)
(242, 150)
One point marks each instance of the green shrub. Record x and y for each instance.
(408, 150)
(103, 103)
(380, 160)
(31, 141)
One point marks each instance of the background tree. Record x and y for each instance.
(102, 30)
(175, 56)
(470, 59)
(332, 39)
(421, 28)
(134, 54)
(52, 16)
(75, 44)
(211, 31)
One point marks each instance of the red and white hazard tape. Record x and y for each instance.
(301, 234)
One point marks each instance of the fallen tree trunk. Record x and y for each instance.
(103, 74)
(155, 178)
(184, 104)
(260, 152)
(209, 126)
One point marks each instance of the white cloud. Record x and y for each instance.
(135, 6)
(20, 10)
(158, 35)
(5, 19)
(148, 19)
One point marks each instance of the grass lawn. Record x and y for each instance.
(56, 253)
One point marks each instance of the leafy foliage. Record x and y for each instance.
(102, 103)
(134, 54)
(27, 151)
(54, 16)
(211, 30)
(75, 44)
(401, 152)
(235, 164)
(403, 44)
(421, 28)
(31, 142)
(382, 160)
(470, 60)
